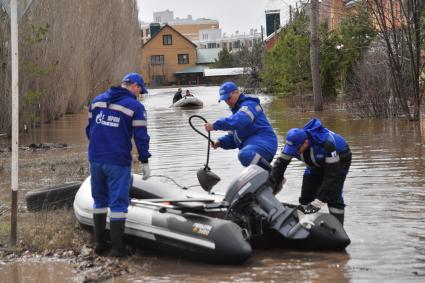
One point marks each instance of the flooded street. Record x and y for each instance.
(384, 194)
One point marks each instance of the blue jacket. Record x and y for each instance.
(247, 125)
(325, 146)
(324, 156)
(115, 117)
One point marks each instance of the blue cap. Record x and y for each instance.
(226, 89)
(294, 139)
(135, 78)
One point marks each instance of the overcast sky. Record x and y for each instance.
(241, 15)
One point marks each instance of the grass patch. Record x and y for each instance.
(46, 230)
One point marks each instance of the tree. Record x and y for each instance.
(62, 67)
(355, 36)
(400, 25)
(341, 49)
(225, 59)
(251, 59)
(287, 66)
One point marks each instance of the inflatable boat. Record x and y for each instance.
(189, 101)
(163, 226)
(214, 228)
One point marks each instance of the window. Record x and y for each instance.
(212, 45)
(157, 59)
(183, 58)
(158, 80)
(237, 44)
(167, 39)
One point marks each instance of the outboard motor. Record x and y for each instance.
(252, 202)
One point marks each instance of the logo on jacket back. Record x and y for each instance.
(110, 121)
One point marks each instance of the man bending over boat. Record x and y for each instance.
(248, 127)
(115, 117)
(328, 159)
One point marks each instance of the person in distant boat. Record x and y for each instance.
(177, 95)
(188, 93)
(328, 159)
(115, 117)
(248, 127)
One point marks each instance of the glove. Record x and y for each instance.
(146, 172)
(312, 207)
(277, 186)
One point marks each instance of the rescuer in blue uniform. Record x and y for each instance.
(115, 117)
(328, 159)
(249, 129)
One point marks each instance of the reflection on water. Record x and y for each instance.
(384, 192)
(36, 272)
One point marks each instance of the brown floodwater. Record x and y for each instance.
(384, 194)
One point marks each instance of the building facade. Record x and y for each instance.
(190, 28)
(165, 54)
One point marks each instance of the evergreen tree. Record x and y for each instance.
(225, 59)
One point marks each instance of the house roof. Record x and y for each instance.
(274, 34)
(224, 72)
(150, 39)
(207, 55)
(192, 70)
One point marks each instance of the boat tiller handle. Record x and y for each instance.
(207, 179)
(210, 141)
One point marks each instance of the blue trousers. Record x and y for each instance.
(110, 188)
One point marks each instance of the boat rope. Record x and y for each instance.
(174, 181)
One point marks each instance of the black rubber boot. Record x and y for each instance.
(339, 216)
(264, 164)
(100, 233)
(117, 239)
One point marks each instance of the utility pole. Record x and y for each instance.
(262, 31)
(15, 118)
(290, 14)
(314, 55)
(14, 10)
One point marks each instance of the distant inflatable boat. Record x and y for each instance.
(189, 101)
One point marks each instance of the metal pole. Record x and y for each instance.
(15, 117)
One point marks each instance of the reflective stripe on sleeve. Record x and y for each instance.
(248, 112)
(258, 108)
(122, 109)
(99, 105)
(139, 123)
(333, 159)
(313, 159)
(285, 156)
(100, 210)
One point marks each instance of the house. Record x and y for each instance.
(196, 75)
(166, 53)
(272, 39)
(335, 11)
